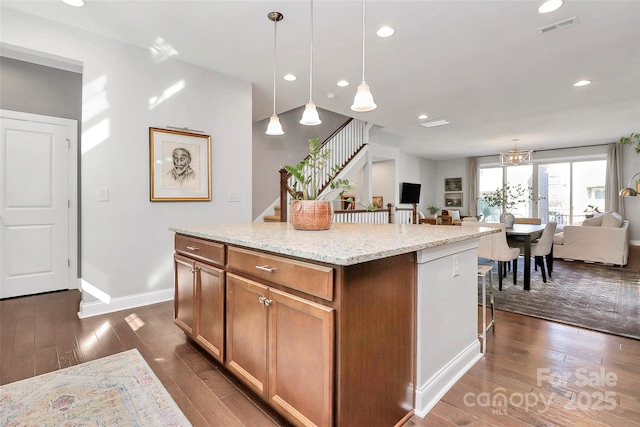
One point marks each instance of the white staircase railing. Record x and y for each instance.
(343, 145)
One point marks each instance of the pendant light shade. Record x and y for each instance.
(363, 101)
(274, 127)
(310, 116)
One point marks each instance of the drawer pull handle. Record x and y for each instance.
(193, 248)
(266, 268)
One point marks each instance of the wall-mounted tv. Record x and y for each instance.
(410, 193)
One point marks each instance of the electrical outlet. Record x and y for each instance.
(456, 265)
(234, 196)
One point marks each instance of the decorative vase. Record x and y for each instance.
(508, 219)
(311, 214)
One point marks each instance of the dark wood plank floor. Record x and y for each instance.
(522, 381)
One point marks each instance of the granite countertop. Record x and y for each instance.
(342, 244)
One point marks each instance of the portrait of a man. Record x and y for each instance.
(182, 170)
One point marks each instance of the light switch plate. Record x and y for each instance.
(103, 194)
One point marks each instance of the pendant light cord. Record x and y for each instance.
(363, 32)
(275, 37)
(311, 53)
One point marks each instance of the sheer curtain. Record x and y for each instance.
(472, 174)
(614, 179)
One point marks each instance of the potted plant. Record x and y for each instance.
(590, 211)
(506, 198)
(311, 209)
(433, 210)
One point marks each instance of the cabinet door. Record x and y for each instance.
(246, 331)
(301, 361)
(210, 298)
(184, 297)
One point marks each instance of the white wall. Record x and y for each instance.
(126, 247)
(423, 171)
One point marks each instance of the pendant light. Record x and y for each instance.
(310, 116)
(515, 157)
(363, 100)
(274, 128)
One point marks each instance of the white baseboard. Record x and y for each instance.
(437, 386)
(634, 242)
(124, 303)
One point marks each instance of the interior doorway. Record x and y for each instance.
(38, 203)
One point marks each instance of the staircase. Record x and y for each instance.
(275, 217)
(345, 144)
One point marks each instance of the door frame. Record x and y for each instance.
(72, 179)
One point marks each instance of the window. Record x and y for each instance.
(492, 178)
(569, 188)
(565, 188)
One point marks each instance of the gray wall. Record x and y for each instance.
(36, 89)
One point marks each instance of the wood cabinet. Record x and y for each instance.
(282, 347)
(323, 344)
(200, 292)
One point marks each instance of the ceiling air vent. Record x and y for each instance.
(559, 25)
(434, 123)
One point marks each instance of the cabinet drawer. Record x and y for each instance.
(309, 278)
(204, 250)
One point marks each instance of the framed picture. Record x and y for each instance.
(376, 201)
(179, 165)
(453, 184)
(452, 200)
(348, 202)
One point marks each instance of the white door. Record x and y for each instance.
(34, 205)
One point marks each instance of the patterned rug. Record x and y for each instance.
(118, 390)
(592, 296)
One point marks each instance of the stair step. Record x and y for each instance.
(271, 218)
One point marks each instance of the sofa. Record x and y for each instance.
(603, 238)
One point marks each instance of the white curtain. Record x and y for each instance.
(614, 182)
(472, 174)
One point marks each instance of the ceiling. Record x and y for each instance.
(482, 65)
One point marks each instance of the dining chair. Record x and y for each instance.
(494, 247)
(541, 250)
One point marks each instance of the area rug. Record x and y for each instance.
(117, 390)
(592, 296)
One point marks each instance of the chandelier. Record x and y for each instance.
(515, 157)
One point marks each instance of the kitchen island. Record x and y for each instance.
(362, 324)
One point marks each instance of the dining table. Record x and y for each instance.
(527, 233)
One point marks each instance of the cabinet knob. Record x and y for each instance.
(193, 248)
(265, 301)
(266, 268)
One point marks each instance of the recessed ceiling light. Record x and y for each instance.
(582, 83)
(290, 77)
(385, 31)
(75, 3)
(343, 83)
(423, 116)
(550, 6)
(433, 123)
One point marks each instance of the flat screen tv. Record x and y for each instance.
(410, 193)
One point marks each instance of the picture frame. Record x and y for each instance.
(179, 165)
(376, 202)
(453, 184)
(453, 200)
(348, 202)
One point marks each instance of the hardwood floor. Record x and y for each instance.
(522, 381)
